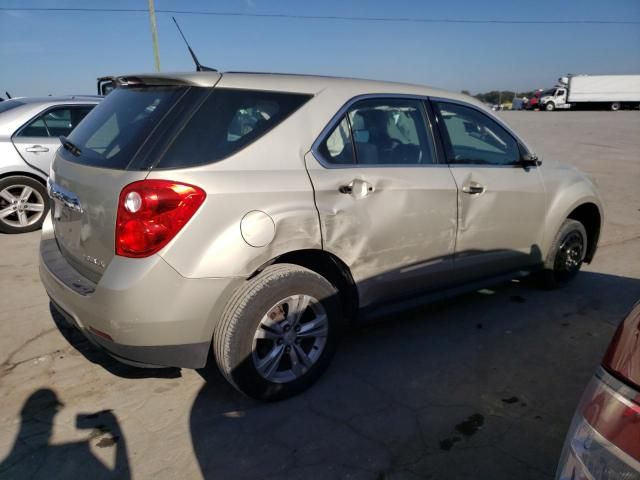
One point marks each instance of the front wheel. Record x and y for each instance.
(278, 332)
(23, 204)
(566, 254)
(549, 107)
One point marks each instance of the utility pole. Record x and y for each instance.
(154, 34)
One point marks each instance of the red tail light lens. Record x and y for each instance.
(151, 213)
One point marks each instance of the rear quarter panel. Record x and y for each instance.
(266, 176)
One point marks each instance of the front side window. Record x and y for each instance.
(390, 132)
(471, 137)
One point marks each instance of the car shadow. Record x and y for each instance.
(481, 386)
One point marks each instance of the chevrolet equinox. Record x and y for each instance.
(252, 216)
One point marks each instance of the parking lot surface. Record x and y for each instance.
(483, 386)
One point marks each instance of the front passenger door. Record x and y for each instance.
(38, 141)
(501, 204)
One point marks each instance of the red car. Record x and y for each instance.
(604, 438)
(534, 102)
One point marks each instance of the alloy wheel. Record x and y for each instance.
(20, 206)
(290, 338)
(570, 254)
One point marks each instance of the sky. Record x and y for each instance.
(63, 52)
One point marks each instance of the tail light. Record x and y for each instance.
(151, 213)
(604, 438)
(622, 359)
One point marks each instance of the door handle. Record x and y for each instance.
(474, 189)
(37, 149)
(357, 188)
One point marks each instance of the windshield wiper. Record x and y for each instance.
(66, 143)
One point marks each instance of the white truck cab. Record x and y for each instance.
(596, 91)
(554, 98)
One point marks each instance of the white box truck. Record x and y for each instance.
(594, 91)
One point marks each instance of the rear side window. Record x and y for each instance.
(37, 128)
(391, 132)
(338, 146)
(55, 122)
(113, 132)
(228, 121)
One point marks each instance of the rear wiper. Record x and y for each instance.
(66, 143)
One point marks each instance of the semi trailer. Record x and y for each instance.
(613, 92)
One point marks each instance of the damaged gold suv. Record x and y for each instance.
(251, 216)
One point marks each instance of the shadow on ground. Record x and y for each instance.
(483, 386)
(33, 455)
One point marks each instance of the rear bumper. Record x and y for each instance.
(141, 311)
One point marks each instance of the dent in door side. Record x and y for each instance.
(396, 240)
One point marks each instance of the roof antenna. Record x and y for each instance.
(199, 66)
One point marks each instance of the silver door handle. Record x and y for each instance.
(474, 189)
(357, 188)
(37, 149)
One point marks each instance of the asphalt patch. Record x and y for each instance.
(471, 425)
(511, 400)
(447, 443)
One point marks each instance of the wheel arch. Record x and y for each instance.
(330, 267)
(589, 215)
(34, 176)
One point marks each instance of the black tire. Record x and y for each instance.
(615, 106)
(549, 106)
(566, 255)
(14, 183)
(233, 341)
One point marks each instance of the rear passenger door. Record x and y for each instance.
(501, 204)
(38, 140)
(386, 207)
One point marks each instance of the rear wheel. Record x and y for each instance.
(615, 106)
(549, 107)
(278, 332)
(23, 204)
(566, 255)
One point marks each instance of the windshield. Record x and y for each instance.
(549, 93)
(113, 132)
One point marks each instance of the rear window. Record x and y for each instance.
(226, 122)
(113, 132)
(9, 105)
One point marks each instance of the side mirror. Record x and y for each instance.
(530, 160)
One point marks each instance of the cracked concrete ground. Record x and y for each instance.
(482, 386)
